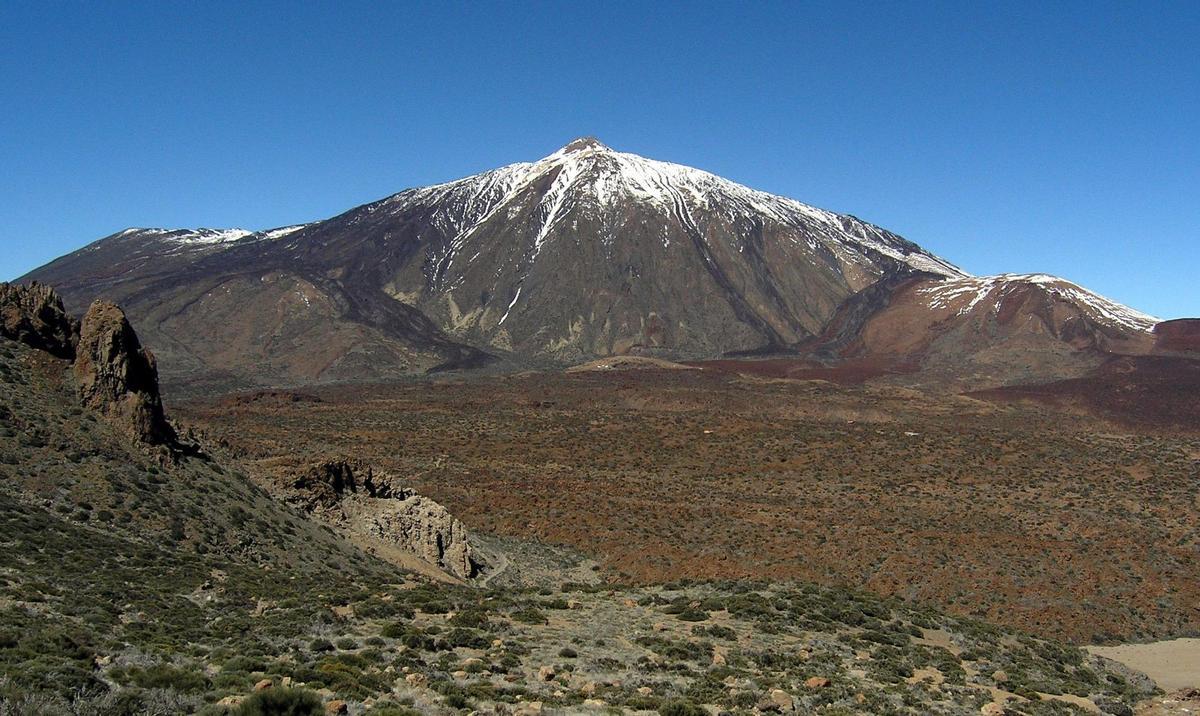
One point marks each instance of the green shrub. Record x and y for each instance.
(530, 616)
(681, 708)
(282, 702)
(166, 676)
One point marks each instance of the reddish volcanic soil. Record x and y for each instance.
(1137, 391)
(1023, 514)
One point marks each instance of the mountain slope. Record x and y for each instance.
(587, 252)
(984, 331)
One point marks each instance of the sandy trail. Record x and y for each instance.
(1173, 664)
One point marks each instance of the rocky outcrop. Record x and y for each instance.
(325, 485)
(117, 377)
(351, 496)
(34, 315)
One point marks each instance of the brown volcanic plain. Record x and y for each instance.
(1026, 515)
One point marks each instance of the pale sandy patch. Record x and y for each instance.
(1173, 664)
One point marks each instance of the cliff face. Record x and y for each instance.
(117, 377)
(350, 496)
(34, 315)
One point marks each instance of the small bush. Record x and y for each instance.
(282, 702)
(681, 708)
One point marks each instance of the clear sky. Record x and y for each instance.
(1059, 137)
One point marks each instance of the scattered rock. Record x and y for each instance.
(34, 315)
(231, 701)
(546, 673)
(337, 707)
(117, 377)
(994, 708)
(645, 690)
(782, 701)
(264, 685)
(816, 682)
(416, 680)
(1000, 676)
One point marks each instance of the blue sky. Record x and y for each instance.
(1056, 137)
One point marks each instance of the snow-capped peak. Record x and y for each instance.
(968, 292)
(585, 173)
(583, 144)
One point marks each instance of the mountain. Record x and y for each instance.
(989, 330)
(586, 253)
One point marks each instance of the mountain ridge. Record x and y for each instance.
(585, 253)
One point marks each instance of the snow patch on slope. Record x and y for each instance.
(206, 236)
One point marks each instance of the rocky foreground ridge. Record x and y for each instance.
(118, 379)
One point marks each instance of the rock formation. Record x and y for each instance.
(34, 315)
(117, 377)
(350, 495)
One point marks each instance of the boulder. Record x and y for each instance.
(337, 707)
(263, 685)
(546, 673)
(117, 377)
(816, 682)
(782, 701)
